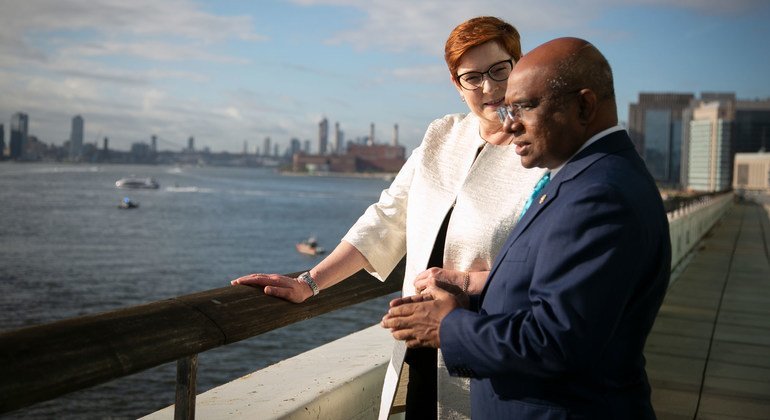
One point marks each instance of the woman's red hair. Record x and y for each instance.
(477, 31)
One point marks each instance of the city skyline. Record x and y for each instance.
(231, 72)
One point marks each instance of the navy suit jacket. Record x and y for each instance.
(570, 299)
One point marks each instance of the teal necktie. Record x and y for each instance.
(538, 188)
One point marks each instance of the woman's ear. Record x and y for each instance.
(458, 87)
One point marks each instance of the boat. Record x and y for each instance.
(309, 247)
(133, 182)
(128, 204)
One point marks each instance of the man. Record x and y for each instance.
(559, 329)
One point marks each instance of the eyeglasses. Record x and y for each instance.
(517, 109)
(498, 72)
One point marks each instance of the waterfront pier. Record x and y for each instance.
(708, 356)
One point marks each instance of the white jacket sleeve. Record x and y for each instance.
(380, 233)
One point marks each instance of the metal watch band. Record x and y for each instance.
(307, 278)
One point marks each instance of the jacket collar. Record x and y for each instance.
(610, 144)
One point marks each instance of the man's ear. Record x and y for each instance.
(587, 103)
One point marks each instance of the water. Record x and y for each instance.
(67, 250)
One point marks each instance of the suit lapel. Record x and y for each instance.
(609, 144)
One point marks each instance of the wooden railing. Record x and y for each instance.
(43, 362)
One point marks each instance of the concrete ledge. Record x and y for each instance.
(341, 379)
(687, 225)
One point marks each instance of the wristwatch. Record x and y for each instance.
(307, 278)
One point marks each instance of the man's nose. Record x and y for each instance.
(512, 125)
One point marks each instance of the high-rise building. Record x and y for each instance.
(656, 128)
(295, 146)
(323, 136)
(335, 149)
(710, 146)
(749, 126)
(726, 97)
(752, 126)
(76, 138)
(266, 147)
(307, 146)
(19, 133)
(2, 142)
(191, 144)
(153, 144)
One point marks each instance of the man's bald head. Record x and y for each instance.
(570, 63)
(563, 94)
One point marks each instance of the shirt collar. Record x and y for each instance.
(590, 141)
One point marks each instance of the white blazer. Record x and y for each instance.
(487, 191)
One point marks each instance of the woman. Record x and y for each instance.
(450, 207)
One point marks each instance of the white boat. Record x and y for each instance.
(136, 182)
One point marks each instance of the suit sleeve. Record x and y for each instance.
(586, 263)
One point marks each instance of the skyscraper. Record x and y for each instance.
(266, 147)
(686, 119)
(19, 133)
(2, 142)
(752, 126)
(295, 146)
(323, 136)
(337, 142)
(710, 146)
(655, 126)
(76, 138)
(748, 127)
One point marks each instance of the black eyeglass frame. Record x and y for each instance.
(481, 74)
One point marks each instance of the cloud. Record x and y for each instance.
(111, 19)
(401, 25)
(148, 50)
(141, 17)
(59, 58)
(421, 74)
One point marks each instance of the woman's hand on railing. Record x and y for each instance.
(289, 288)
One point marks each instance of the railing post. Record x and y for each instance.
(186, 369)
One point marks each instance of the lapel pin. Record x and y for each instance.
(542, 198)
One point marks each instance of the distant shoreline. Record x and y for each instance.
(387, 176)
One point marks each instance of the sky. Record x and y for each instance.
(231, 73)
